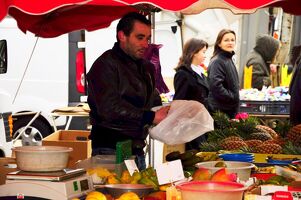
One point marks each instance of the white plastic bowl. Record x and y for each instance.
(210, 190)
(42, 158)
(242, 169)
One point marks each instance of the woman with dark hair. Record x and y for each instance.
(223, 76)
(190, 81)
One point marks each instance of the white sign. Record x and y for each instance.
(170, 172)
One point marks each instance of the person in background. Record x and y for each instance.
(295, 86)
(260, 59)
(190, 81)
(121, 91)
(223, 76)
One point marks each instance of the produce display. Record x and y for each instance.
(266, 94)
(238, 139)
(248, 135)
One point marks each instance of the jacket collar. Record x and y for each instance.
(203, 81)
(116, 48)
(227, 53)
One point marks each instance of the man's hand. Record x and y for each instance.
(273, 68)
(161, 114)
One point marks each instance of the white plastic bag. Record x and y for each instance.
(186, 120)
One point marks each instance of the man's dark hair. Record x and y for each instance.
(126, 23)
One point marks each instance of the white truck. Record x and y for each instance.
(36, 79)
(5, 118)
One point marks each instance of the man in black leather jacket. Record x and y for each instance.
(121, 91)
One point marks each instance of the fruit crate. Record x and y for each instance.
(256, 107)
(265, 107)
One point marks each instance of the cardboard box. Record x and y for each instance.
(7, 165)
(77, 139)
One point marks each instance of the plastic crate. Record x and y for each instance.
(281, 107)
(265, 107)
(256, 107)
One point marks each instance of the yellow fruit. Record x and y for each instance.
(126, 177)
(100, 171)
(91, 171)
(136, 177)
(129, 196)
(164, 187)
(103, 172)
(91, 198)
(113, 180)
(95, 195)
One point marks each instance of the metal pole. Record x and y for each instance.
(151, 153)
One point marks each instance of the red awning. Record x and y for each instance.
(51, 18)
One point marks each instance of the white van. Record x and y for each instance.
(37, 79)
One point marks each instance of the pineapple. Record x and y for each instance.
(221, 120)
(245, 127)
(209, 147)
(283, 127)
(220, 134)
(270, 142)
(253, 143)
(233, 145)
(263, 136)
(281, 141)
(290, 148)
(232, 138)
(294, 135)
(262, 128)
(269, 148)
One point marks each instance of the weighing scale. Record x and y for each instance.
(59, 185)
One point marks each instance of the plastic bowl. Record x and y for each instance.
(279, 162)
(209, 190)
(242, 169)
(242, 157)
(250, 160)
(116, 190)
(42, 158)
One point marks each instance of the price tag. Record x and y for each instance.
(131, 166)
(170, 172)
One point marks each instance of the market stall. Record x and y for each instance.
(98, 178)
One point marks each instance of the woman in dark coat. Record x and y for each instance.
(190, 81)
(295, 87)
(223, 76)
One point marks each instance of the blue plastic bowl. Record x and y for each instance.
(279, 162)
(242, 157)
(239, 160)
